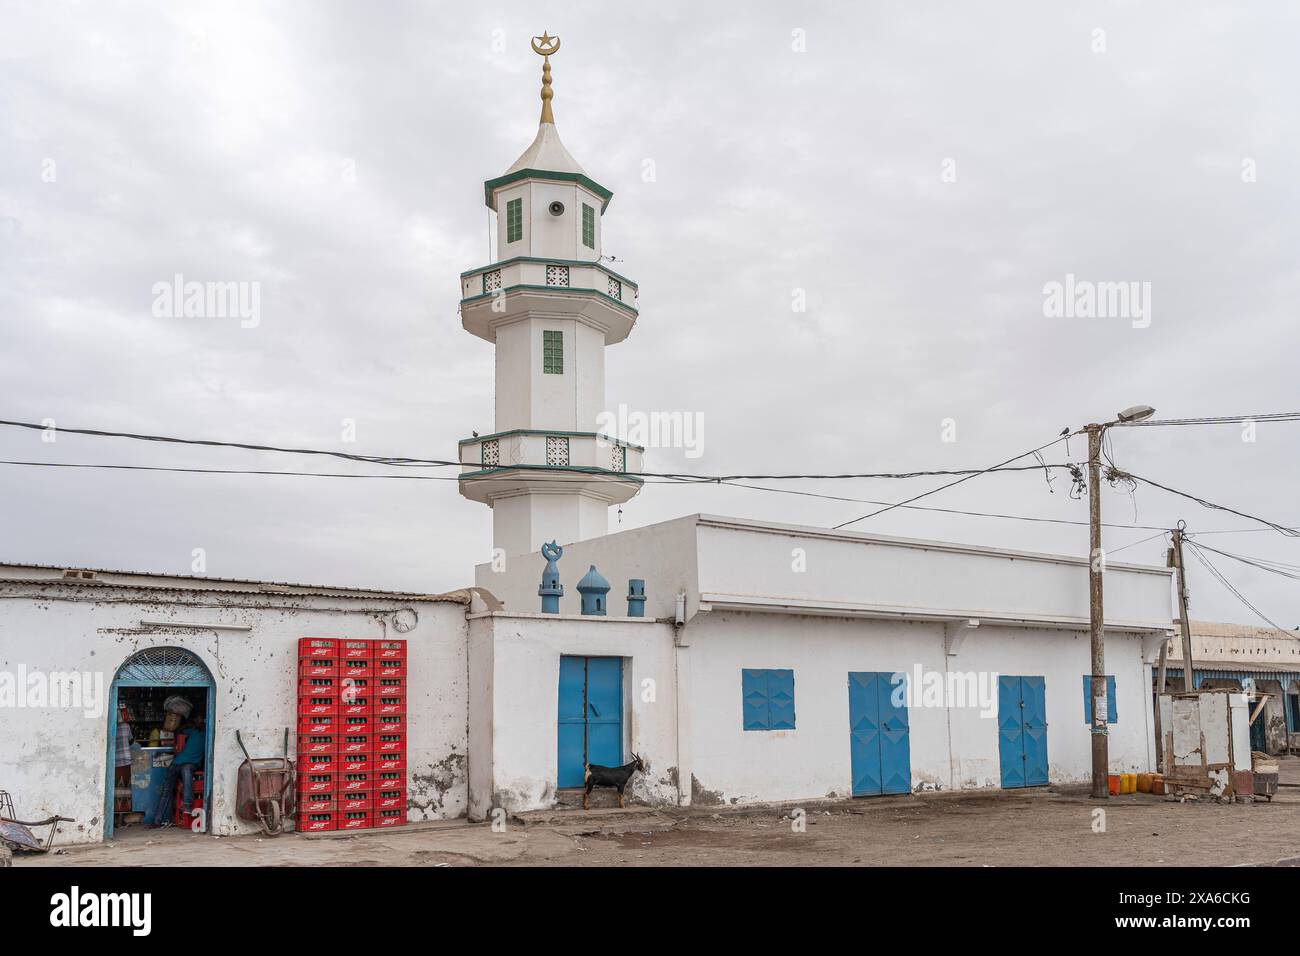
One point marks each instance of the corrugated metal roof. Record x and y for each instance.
(46, 574)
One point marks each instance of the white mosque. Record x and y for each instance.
(752, 661)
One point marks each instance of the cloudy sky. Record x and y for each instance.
(915, 172)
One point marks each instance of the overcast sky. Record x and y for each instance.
(919, 170)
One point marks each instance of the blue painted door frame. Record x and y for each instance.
(1022, 730)
(879, 745)
(192, 675)
(590, 724)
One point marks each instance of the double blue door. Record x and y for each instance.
(879, 750)
(1022, 730)
(591, 716)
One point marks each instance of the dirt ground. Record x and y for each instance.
(1041, 827)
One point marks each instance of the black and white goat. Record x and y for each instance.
(597, 776)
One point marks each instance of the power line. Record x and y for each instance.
(1213, 420)
(1281, 529)
(999, 466)
(1218, 575)
(442, 463)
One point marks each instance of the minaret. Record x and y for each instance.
(550, 306)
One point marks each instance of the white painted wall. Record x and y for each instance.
(54, 760)
(514, 703)
(955, 749)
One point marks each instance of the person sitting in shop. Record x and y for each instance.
(187, 760)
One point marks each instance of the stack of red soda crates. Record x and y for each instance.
(351, 734)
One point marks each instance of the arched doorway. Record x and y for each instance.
(149, 674)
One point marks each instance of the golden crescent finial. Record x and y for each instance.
(544, 46)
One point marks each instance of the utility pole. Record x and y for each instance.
(1177, 552)
(1096, 561)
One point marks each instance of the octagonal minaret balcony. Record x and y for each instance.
(497, 294)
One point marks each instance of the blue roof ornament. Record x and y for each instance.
(551, 589)
(593, 587)
(636, 597)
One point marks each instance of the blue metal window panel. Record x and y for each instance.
(590, 725)
(879, 735)
(767, 699)
(1111, 712)
(1022, 730)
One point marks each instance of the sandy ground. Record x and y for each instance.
(1041, 827)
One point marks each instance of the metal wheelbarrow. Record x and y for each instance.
(266, 790)
(17, 835)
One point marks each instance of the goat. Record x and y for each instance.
(594, 775)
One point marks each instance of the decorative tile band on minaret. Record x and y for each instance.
(550, 306)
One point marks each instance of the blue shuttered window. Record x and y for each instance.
(767, 699)
(1087, 699)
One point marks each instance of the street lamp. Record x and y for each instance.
(1096, 618)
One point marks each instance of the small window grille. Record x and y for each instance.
(514, 220)
(492, 281)
(615, 289)
(557, 275)
(491, 453)
(618, 458)
(557, 450)
(588, 226)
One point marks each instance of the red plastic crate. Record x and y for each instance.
(388, 724)
(388, 686)
(357, 707)
(387, 706)
(389, 799)
(317, 647)
(356, 763)
(319, 725)
(316, 783)
(390, 762)
(317, 667)
(315, 803)
(353, 783)
(355, 744)
(389, 650)
(318, 707)
(354, 650)
(317, 744)
(318, 763)
(389, 780)
(318, 687)
(319, 820)
(355, 669)
(392, 667)
(390, 818)
(356, 724)
(354, 820)
(390, 744)
(361, 800)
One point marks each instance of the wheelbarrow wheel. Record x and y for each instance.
(274, 823)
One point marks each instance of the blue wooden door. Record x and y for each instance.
(590, 728)
(1022, 730)
(1033, 691)
(879, 749)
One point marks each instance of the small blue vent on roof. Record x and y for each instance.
(593, 587)
(636, 597)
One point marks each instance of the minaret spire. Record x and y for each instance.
(544, 46)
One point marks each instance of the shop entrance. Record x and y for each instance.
(143, 685)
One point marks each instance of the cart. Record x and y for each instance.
(266, 790)
(17, 835)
